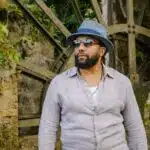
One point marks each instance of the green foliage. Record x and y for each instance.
(42, 18)
(139, 55)
(8, 54)
(67, 15)
(90, 14)
(147, 120)
(3, 32)
(141, 94)
(13, 8)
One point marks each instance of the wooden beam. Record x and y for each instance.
(131, 43)
(29, 116)
(132, 58)
(53, 17)
(141, 14)
(40, 26)
(122, 9)
(142, 30)
(36, 71)
(64, 51)
(132, 53)
(29, 123)
(43, 95)
(130, 12)
(77, 11)
(98, 12)
(117, 28)
(110, 14)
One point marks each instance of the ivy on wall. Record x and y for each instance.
(9, 56)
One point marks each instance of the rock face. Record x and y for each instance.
(30, 89)
(35, 49)
(29, 96)
(8, 113)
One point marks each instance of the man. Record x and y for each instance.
(94, 104)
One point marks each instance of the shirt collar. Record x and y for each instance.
(107, 72)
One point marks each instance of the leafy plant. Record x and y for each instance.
(13, 8)
(3, 32)
(8, 54)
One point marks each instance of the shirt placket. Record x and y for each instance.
(95, 107)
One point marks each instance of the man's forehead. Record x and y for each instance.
(84, 37)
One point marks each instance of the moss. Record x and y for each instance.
(8, 135)
(141, 93)
(147, 119)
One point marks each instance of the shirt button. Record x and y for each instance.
(94, 109)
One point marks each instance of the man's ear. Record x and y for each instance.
(102, 51)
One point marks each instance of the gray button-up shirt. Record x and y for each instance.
(101, 124)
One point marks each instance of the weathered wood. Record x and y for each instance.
(132, 54)
(104, 10)
(117, 28)
(43, 95)
(29, 123)
(122, 8)
(77, 11)
(141, 14)
(36, 71)
(109, 15)
(40, 26)
(29, 116)
(142, 30)
(53, 17)
(130, 12)
(98, 12)
(60, 58)
(131, 42)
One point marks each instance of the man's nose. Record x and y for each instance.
(81, 47)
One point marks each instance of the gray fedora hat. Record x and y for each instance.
(94, 29)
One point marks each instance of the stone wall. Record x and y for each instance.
(8, 113)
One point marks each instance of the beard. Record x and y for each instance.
(86, 62)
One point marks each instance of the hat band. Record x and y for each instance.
(87, 31)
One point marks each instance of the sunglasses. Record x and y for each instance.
(86, 43)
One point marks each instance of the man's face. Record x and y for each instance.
(88, 52)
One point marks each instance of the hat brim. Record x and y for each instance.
(107, 43)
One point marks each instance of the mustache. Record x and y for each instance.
(77, 57)
(81, 54)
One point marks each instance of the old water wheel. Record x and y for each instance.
(127, 30)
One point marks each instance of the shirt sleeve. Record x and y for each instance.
(133, 123)
(49, 121)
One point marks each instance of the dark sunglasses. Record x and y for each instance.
(86, 43)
